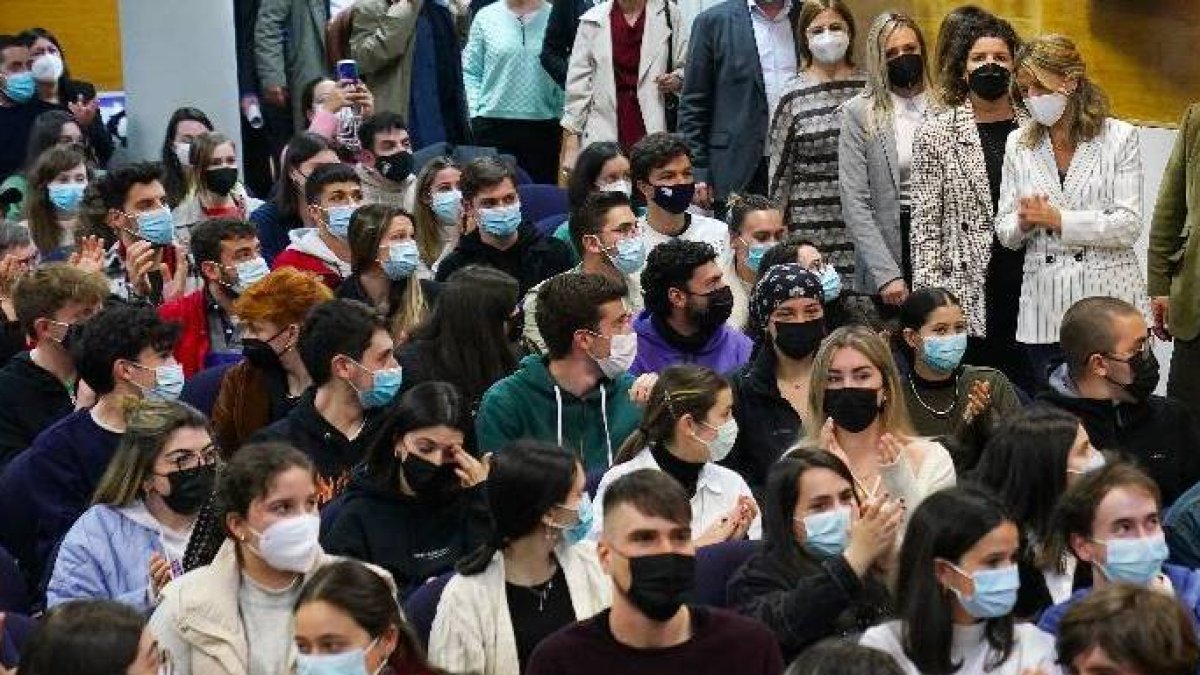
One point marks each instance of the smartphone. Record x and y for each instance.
(347, 70)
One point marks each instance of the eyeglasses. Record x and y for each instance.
(185, 459)
(1146, 349)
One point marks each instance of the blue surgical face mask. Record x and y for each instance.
(384, 385)
(943, 354)
(338, 220)
(579, 531)
(754, 254)
(1134, 561)
(630, 255)
(168, 382)
(402, 260)
(831, 283)
(156, 227)
(20, 87)
(827, 532)
(66, 196)
(995, 592)
(447, 206)
(249, 272)
(502, 221)
(353, 662)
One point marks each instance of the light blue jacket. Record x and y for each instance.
(105, 555)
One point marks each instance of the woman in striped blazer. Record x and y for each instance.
(1071, 194)
(957, 159)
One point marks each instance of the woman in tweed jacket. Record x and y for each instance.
(957, 160)
(1071, 194)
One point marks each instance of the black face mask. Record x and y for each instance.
(716, 311)
(799, 340)
(190, 489)
(989, 81)
(221, 181)
(852, 408)
(1144, 368)
(905, 71)
(72, 335)
(260, 354)
(395, 167)
(660, 584)
(432, 482)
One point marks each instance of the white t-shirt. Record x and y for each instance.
(1032, 649)
(908, 115)
(699, 228)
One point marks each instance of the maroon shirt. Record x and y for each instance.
(627, 56)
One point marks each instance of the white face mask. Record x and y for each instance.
(830, 46)
(719, 447)
(1047, 109)
(1094, 461)
(290, 545)
(622, 350)
(48, 67)
(183, 152)
(620, 185)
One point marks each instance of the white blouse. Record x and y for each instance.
(1032, 649)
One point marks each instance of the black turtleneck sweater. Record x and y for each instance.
(687, 473)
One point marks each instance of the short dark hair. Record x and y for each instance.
(945, 526)
(741, 206)
(571, 302)
(84, 637)
(111, 189)
(7, 41)
(384, 120)
(1076, 511)
(671, 265)
(207, 236)
(1138, 628)
(588, 218)
(655, 151)
(1087, 328)
(328, 174)
(338, 326)
(483, 173)
(653, 493)
(120, 331)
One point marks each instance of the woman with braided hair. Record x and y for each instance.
(534, 575)
(688, 427)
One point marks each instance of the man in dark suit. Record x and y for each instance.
(560, 37)
(741, 53)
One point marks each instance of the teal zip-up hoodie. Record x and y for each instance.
(524, 405)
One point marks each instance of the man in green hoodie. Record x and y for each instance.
(578, 394)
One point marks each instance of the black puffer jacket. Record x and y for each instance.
(767, 424)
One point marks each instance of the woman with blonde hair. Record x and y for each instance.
(437, 211)
(857, 391)
(131, 542)
(213, 187)
(56, 182)
(384, 257)
(1071, 194)
(875, 156)
(805, 129)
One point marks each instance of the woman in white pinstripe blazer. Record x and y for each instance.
(1071, 193)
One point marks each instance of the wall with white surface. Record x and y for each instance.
(176, 53)
(1156, 150)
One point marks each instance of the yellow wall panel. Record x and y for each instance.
(87, 29)
(1144, 53)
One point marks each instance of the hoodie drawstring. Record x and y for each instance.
(603, 418)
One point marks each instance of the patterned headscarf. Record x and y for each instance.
(776, 286)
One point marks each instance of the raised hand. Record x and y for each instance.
(89, 255)
(874, 534)
(978, 400)
(471, 471)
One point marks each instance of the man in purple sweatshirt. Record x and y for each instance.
(687, 305)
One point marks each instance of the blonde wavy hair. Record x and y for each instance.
(894, 413)
(1087, 106)
(367, 227)
(875, 56)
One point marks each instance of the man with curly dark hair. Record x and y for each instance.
(122, 353)
(687, 304)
